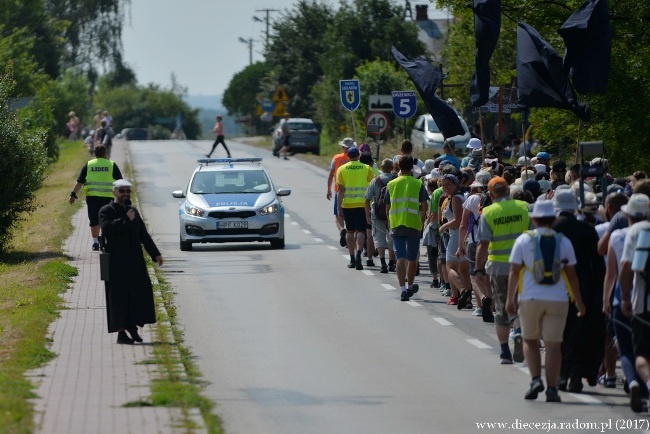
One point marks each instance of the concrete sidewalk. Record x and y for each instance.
(84, 389)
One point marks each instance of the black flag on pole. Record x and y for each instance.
(487, 26)
(587, 35)
(426, 79)
(541, 78)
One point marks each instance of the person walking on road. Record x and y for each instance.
(129, 294)
(337, 161)
(377, 217)
(353, 179)
(406, 205)
(499, 226)
(218, 129)
(286, 135)
(96, 178)
(543, 303)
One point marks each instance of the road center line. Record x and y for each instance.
(318, 240)
(442, 321)
(388, 287)
(413, 303)
(478, 344)
(368, 272)
(306, 231)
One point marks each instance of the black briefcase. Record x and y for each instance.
(105, 266)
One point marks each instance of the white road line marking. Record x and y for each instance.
(346, 257)
(318, 240)
(368, 272)
(413, 303)
(586, 398)
(524, 370)
(478, 344)
(442, 321)
(388, 287)
(287, 216)
(332, 248)
(294, 223)
(306, 231)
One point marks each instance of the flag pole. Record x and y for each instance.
(524, 121)
(578, 143)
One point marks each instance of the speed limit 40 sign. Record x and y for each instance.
(378, 119)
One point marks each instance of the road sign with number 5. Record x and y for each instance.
(405, 103)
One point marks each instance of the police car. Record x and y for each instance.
(231, 200)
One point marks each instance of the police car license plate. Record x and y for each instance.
(232, 225)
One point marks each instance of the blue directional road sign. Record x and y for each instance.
(350, 94)
(405, 103)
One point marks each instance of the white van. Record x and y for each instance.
(427, 135)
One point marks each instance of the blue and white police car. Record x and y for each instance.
(231, 200)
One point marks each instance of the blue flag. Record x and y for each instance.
(487, 26)
(541, 78)
(426, 79)
(587, 35)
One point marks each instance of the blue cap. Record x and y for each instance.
(353, 151)
(543, 156)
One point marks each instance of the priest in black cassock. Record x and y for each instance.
(129, 294)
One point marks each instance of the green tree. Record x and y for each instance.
(240, 98)
(23, 163)
(617, 118)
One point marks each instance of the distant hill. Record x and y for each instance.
(209, 107)
(205, 102)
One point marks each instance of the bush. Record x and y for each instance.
(23, 163)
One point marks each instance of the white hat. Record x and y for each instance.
(522, 161)
(121, 183)
(543, 208)
(476, 183)
(544, 185)
(637, 206)
(347, 142)
(483, 177)
(429, 165)
(565, 200)
(540, 168)
(474, 143)
(527, 174)
(435, 174)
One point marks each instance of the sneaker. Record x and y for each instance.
(352, 264)
(452, 301)
(404, 296)
(505, 359)
(384, 269)
(446, 292)
(608, 382)
(552, 395)
(414, 289)
(435, 283)
(636, 401)
(343, 241)
(536, 387)
(95, 247)
(123, 338)
(391, 266)
(370, 263)
(518, 354)
(486, 305)
(477, 312)
(465, 296)
(359, 265)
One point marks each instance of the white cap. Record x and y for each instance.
(435, 174)
(121, 183)
(638, 206)
(474, 143)
(540, 168)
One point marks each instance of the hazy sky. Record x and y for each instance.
(198, 40)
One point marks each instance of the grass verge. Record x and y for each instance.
(35, 272)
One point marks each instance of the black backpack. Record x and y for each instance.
(379, 205)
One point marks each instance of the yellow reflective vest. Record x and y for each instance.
(507, 220)
(404, 193)
(355, 177)
(99, 178)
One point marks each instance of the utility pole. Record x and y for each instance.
(248, 42)
(266, 20)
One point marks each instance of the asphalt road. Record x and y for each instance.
(292, 341)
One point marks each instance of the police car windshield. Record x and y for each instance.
(230, 182)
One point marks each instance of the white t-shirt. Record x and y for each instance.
(523, 253)
(472, 204)
(638, 288)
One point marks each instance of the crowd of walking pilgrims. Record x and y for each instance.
(556, 262)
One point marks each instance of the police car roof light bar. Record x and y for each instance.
(228, 160)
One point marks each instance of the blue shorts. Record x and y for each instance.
(406, 247)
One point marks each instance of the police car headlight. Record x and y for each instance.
(270, 209)
(193, 211)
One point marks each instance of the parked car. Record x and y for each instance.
(305, 137)
(231, 200)
(426, 135)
